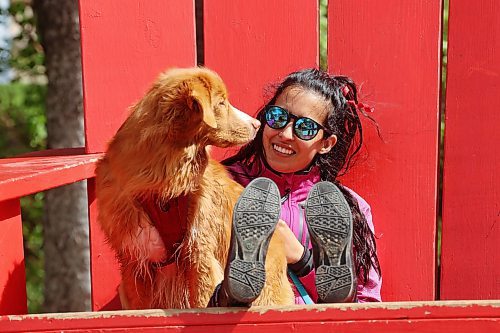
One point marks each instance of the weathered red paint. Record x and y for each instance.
(12, 273)
(253, 44)
(23, 175)
(382, 317)
(104, 268)
(392, 50)
(470, 254)
(125, 45)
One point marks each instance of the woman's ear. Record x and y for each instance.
(328, 144)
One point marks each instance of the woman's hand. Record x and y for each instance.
(293, 248)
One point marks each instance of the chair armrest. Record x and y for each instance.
(40, 171)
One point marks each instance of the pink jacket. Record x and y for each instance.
(294, 189)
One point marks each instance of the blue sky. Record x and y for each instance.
(3, 37)
(3, 29)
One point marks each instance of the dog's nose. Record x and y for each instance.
(255, 124)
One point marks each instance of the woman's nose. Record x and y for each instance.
(287, 132)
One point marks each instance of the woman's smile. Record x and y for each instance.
(282, 150)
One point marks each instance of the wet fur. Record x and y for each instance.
(161, 150)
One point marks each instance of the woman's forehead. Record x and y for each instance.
(305, 103)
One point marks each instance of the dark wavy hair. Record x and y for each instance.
(343, 121)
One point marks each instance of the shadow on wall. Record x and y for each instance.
(12, 295)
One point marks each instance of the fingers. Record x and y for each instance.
(293, 248)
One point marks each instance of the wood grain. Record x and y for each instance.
(255, 44)
(471, 188)
(429, 317)
(125, 45)
(393, 52)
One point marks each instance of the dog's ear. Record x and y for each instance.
(200, 103)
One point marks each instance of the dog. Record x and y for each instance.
(166, 207)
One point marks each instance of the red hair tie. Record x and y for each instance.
(358, 106)
(366, 108)
(345, 91)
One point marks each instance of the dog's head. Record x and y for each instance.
(191, 105)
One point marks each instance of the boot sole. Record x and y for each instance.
(254, 219)
(329, 220)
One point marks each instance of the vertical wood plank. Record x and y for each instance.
(393, 52)
(252, 44)
(125, 45)
(104, 268)
(471, 189)
(13, 298)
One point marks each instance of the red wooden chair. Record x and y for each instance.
(394, 49)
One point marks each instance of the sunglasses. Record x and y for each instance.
(304, 128)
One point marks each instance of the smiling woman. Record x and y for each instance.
(311, 131)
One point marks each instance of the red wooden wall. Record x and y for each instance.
(125, 45)
(253, 44)
(471, 194)
(393, 52)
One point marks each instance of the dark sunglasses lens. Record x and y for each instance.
(306, 128)
(276, 117)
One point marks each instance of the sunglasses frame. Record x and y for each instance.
(294, 118)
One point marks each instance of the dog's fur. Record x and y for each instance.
(161, 152)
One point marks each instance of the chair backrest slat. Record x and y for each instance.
(392, 49)
(254, 43)
(471, 190)
(125, 45)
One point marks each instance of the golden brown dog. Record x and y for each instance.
(166, 207)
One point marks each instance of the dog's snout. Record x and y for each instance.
(251, 124)
(255, 124)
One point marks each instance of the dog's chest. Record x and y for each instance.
(170, 219)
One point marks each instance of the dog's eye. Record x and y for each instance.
(222, 103)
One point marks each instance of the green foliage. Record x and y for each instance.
(444, 66)
(4, 54)
(22, 118)
(32, 211)
(27, 57)
(323, 34)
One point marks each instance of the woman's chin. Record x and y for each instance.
(281, 167)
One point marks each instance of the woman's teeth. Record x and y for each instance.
(283, 150)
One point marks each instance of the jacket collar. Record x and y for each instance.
(292, 182)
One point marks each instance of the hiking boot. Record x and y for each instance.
(254, 219)
(329, 219)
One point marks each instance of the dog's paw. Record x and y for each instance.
(151, 242)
